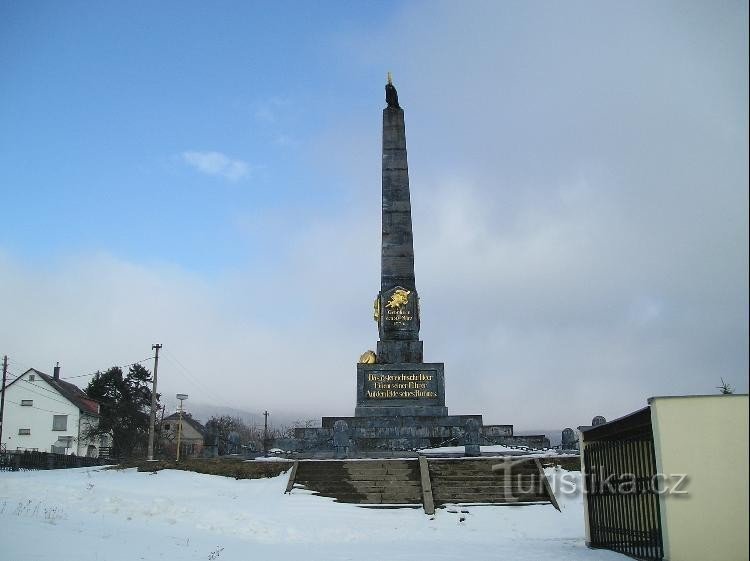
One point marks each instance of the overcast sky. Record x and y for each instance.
(207, 176)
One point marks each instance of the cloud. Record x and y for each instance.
(579, 191)
(216, 164)
(579, 197)
(267, 111)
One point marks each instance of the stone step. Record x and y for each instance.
(376, 498)
(367, 486)
(358, 469)
(485, 499)
(482, 468)
(364, 464)
(360, 484)
(485, 477)
(489, 492)
(531, 483)
(393, 473)
(357, 477)
(486, 484)
(483, 464)
(485, 473)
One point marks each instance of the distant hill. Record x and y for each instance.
(204, 411)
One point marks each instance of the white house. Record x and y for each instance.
(47, 414)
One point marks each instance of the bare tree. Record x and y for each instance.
(725, 388)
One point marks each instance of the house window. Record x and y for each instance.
(24, 432)
(59, 422)
(27, 402)
(32, 377)
(166, 426)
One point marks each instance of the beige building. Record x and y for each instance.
(670, 481)
(192, 438)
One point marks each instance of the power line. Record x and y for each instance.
(44, 396)
(53, 392)
(20, 364)
(27, 367)
(193, 378)
(100, 371)
(39, 408)
(218, 401)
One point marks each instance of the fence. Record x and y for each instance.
(27, 460)
(622, 498)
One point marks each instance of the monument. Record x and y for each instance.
(400, 403)
(395, 380)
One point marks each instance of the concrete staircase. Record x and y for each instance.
(429, 483)
(362, 481)
(475, 481)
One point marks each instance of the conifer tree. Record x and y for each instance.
(125, 402)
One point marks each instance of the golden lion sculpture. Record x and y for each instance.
(368, 357)
(399, 298)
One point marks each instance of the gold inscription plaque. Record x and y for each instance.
(400, 385)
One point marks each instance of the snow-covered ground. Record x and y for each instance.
(498, 449)
(92, 514)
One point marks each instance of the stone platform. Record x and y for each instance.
(360, 436)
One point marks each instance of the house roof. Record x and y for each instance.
(69, 391)
(189, 420)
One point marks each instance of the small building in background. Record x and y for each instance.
(192, 438)
(670, 481)
(47, 414)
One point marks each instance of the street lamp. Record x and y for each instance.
(182, 397)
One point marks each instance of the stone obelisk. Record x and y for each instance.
(396, 382)
(400, 403)
(397, 304)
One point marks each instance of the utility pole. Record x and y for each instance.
(182, 397)
(155, 347)
(157, 444)
(265, 434)
(2, 399)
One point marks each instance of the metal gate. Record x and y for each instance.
(621, 487)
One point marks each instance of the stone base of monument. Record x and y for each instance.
(400, 409)
(398, 436)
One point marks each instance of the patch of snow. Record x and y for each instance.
(109, 515)
(498, 449)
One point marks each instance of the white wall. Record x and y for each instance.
(47, 402)
(705, 437)
(87, 422)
